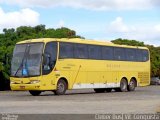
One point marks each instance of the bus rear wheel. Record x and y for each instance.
(35, 93)
(132, 85)
(61, 87)
(123, 86)
(99, 90)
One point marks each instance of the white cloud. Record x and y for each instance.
(150, 34)
(157, 27)
(60, 24)
(118, 26)
(88, 4)
(18, 18)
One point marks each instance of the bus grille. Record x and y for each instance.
(144, 77)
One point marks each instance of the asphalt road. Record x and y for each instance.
(143, 100)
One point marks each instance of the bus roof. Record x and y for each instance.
(79, 40)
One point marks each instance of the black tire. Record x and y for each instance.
(108, 89)
(123, 86)
(61, 87)
(35, 93)
(132, 85)
(99, 90)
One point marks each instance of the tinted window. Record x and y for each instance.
(107, 53)
(84, 51)
(51, 50)
(94, 52)
(66, 50)
(119, 54)
(145, 55)
(130, 54)
(139, 55)
(81, 51)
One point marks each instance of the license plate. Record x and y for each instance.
(22, 87)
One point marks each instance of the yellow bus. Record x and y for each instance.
(57, 65)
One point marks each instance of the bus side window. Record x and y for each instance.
(130, 54)
(107, 53)
(139, 55)
(94, 52)
(119, 53)
(80, 51)
(145, 55)
(66, 50)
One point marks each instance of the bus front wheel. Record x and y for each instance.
(61, 87)
(35, 93)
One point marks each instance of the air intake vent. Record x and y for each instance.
(144, 77)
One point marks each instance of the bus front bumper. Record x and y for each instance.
(24, 87)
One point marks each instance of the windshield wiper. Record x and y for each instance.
(21, 65)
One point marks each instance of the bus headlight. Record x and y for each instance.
(34, 81)
(12, 82)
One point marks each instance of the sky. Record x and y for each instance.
(103, 20)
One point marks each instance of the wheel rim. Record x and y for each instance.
(123, 85)
(132, 84)
(61, 87)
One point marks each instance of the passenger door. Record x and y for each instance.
(48, 75)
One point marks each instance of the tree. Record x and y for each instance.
(64, 33)
(127, 42)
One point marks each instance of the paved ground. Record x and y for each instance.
(143, 100)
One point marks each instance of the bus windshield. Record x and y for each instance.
(27, 59)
